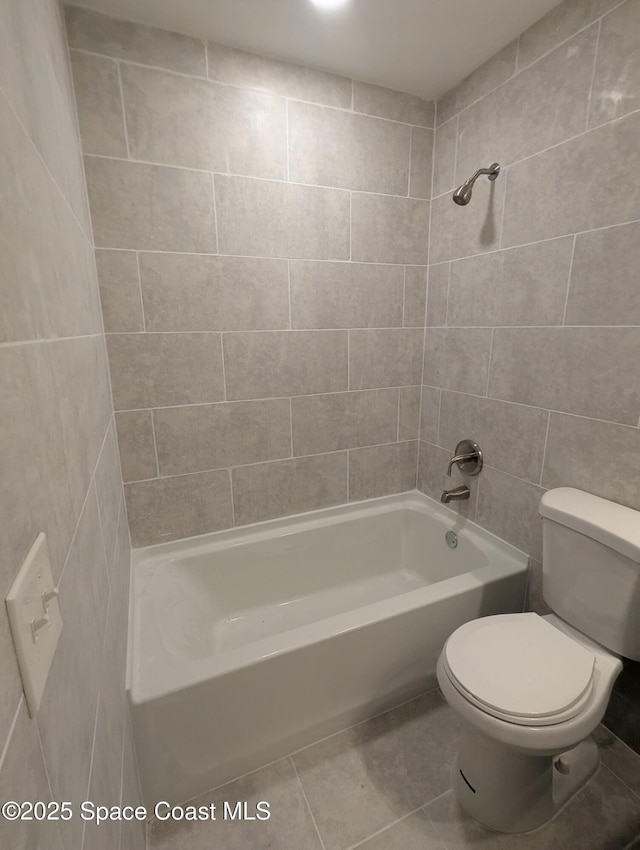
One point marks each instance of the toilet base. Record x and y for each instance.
(509, 791)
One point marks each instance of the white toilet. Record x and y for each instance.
(530, 689)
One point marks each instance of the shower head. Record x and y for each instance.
(462, 195)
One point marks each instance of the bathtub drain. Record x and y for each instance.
(452, 539)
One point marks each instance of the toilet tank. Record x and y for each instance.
(591, 567)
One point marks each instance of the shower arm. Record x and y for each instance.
(492, 172)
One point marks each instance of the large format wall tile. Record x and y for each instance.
(511, 436)
(481, 81)
(267, 490)
(385, 358)
(421, 163)
(415, 296)
(409, 412)
(564, 190)
(594, 370)
(387, 229)
(457, 359)
(386, 103)
(545, 104)
(198, 124)
(192, 292)
(508, 507)
(239, 68)
(155, 370)
(150, 207)
(170, 508)
(100, 115)
(261, 218)
(122, 39)
(521, 286)
(616, 83)
(379, 470)
(345, 295)
(136, 444)
(266, 365)
(190, 439)
(604, 278)
(437, 295)
(599, 457)
(330, 147)
(444, 157)
(326, 423)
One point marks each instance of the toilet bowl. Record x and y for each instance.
(529, 689)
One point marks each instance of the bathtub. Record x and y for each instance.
(248, 644)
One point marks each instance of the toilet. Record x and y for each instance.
(531, 689)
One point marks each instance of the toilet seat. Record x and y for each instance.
(519, 668)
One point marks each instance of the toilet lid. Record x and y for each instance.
(521, 668)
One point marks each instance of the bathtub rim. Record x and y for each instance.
(194, 672)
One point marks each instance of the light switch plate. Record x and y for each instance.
(34, 615)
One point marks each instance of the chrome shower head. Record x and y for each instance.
(462, 195)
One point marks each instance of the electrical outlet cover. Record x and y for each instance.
(34, 615)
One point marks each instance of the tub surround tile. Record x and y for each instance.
(480, 82)
(409, 413)
(512, 436)
(600, 457)
(268, 490)
(444, 157)
(198, 124)
(545, 104)
(380, 470)
(438, 295)
(387, 103)
(290, 826)
(120, 291)
(249, 70)
(558, 25)
(326, 423)
(457, 358)
(346, 295)
(109, 491)
(329, 147)
(594, 370)
(430, 414)
(521, 286)
(604, 278)
(136, 444)
(387, 229)
(508, 507)
(184, 506)
(433, 479)
(156, 370)
(97, 33)
(616, 83)
(535, 600)
(260, 218)
(415, 296)
(267, 365)
(385, 358)
(586, 201)
(191, 292)
(362, 779)
(190, 439)
(150, 207)
(97, 88)
(421, 163)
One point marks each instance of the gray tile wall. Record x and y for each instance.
(533, 310)
(262, 235)
(58, 449)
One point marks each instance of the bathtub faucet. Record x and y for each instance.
(455, 495)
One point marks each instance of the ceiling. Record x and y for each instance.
(420, 46)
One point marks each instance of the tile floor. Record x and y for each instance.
(384, 785)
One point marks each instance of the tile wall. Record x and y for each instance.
(261, 234)
(533, 338)
(58, 452)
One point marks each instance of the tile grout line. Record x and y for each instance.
(122, 108)
(566, 297)
(409, 168)
(335, 330)
(544, 451)
(224, 371)
(291, 424)
(304, 794)
(144, 321)
(455, 159)
(286, 135)
(5, 749)
(504, 207)
(155, 448)
(400, 820)
(289, 293)
(233, 507)
(593, 76)
(486, 390)
(215, 214)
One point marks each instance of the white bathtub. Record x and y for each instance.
(246, 645)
